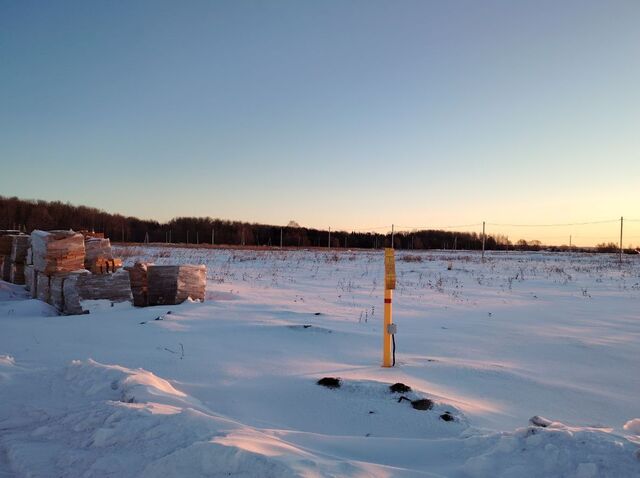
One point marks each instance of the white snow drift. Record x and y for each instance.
(228, 387)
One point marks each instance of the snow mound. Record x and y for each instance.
(115, 382)
(93, 419)
(9, 291)
(7, 360)
(7, 363)
(633, 426)
(27, 308)
(553, 450)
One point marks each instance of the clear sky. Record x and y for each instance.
(349, 114)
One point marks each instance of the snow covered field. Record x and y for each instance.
(228, 387)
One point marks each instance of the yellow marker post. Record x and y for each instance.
(389, 285)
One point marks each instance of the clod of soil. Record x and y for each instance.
(422, 404)
(399, 388)
(329, 382)
(539, 421)
(447, 417)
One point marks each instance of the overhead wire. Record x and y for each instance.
(553, 225)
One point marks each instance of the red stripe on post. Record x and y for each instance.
(387, 301)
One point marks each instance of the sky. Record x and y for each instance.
(343, 114)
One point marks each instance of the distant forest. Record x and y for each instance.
(27, 215)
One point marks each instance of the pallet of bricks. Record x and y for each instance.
(13, 256)
(153, 284)
(71, 273)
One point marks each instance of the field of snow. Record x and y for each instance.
(228, 387)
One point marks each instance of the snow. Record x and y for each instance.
(633, 426)
(229, 386)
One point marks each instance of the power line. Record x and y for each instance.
(368, 229)
(554, 225)
(434, 228)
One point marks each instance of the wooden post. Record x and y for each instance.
(389, 285)
(483, 239)
(386, 336)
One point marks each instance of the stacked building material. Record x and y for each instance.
(79, 287)
(18, 258)
(13, 250)
(96, 249)
(30, 277)
(89, 234)
(6, 269)
(105, 266)
(57, 296)
(43, 287)
(30, 274)
(5, 243)
(175, 284)
(139, 283)
(5, 255)
(57, 251)
(19, 248)
(16, 274)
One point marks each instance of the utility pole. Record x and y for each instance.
(621, 223)
(483, 240)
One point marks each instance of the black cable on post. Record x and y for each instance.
(393, 340)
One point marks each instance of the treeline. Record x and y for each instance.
(27, 215)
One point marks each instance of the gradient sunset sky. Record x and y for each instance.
(349, 114)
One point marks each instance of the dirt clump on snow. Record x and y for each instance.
(329, 382)
(447, 417)
(399, 388)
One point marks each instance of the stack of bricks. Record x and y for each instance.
(139, 283)
(13, 256)
(72, 270)
(168, 285)
(59, 275)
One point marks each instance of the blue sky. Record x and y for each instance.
(333, 113)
